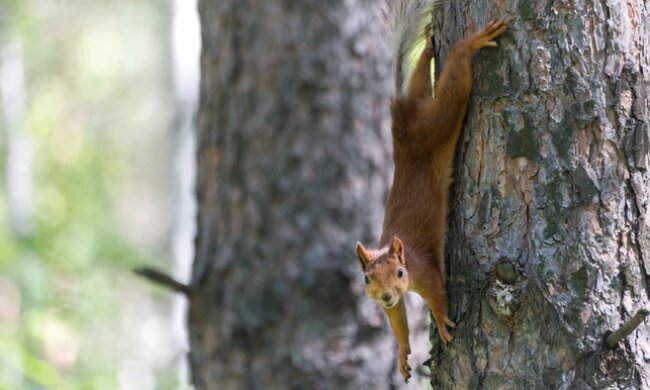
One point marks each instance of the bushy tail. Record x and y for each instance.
(406, 22)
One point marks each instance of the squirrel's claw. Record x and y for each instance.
(402, 362)
(444, 334)
(485, 37)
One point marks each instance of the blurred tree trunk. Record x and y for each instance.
(549, 244)
(293, 167)
(17, 148)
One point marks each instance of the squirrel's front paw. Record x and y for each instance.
(485, 37)
(402, 362)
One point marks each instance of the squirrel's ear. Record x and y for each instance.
(397, 249)
(363, 255)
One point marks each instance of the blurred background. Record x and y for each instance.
(97, 101)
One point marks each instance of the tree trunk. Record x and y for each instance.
(293, 167)
(549, 239)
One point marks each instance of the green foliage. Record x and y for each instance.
(95, 88)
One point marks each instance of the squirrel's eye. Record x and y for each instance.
(367, 280)
(400, 273)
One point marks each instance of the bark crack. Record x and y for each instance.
(621, 267)
(527, 228)
(636, 227)
(511, 345)
(482, 372)
(481, 154)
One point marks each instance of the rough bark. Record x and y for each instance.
(293, 167)
(549, 240)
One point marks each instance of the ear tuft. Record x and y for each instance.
(397, 249)
(363, 255)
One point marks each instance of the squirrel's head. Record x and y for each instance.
(385, 272)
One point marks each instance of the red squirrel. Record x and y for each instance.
(425, 131)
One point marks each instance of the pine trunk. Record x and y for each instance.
(549, 241)
(293, 167)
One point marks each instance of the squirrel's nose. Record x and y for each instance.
(386, 297)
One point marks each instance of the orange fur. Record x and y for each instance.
(425, 132)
